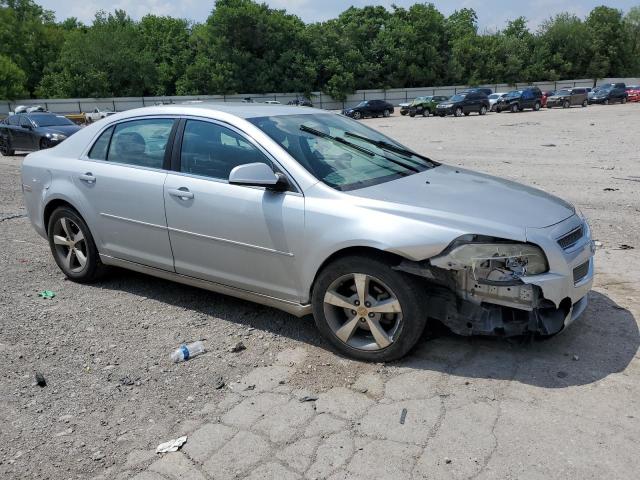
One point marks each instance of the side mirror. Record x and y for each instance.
(258, 175)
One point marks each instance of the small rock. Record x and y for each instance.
(309, 398)
(576, 358)
(238, 347)
(64, 433)
(190, 399)
(447, 460)
(98, 455)
(218, 382)
(40, 380)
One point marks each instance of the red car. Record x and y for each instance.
(546, 95)
(633, 93)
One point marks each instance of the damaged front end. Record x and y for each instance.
(477, 288)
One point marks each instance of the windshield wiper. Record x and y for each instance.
(347, 143)
(392, 148)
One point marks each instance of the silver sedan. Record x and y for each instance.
(311, 212)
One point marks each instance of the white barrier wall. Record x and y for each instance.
(320, 100)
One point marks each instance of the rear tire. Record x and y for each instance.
(606, 101)
(5, 148)
(514, 108)
(536, 107)
(426, 112)
(335, 298)
(566, 104)
(483, 110)
(73, 247)
(584, 104)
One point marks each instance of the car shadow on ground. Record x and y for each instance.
(600, 343)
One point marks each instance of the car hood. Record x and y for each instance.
(66, 130)
(471, 198)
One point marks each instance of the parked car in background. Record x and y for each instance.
(519, 100)
(404, 108)
(545, 96)
(301, 102)
(464, 104)
(568, 97)
(493, 100)
(369, 108)
(633, 93)
(96, 115)
(425, 106)
(272, 102)
(34, 131)
(312, 213)
(610, 93)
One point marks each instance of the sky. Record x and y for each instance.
(492, 14)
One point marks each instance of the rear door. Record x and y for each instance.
(239, 236)
(121, 182)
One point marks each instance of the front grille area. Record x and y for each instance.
(580, 272)
(571, 238)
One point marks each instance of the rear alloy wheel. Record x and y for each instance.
(386, 113)
(566, 104)
(367, 310)
(483, 110)
(458, 112)
(536, 107)
(73, 247)
(357, 115)
(426, 112)
(5, 148)
(514, 108)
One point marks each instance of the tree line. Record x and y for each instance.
(245, 46)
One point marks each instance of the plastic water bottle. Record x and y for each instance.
(187, 351)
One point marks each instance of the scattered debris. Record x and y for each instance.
(238, 347)
(597, 243)
(40, 380)
(576, 358)
(250, 387)
(218, 382)
(624, 246)
(309, 398)
(403, 416)
(127, 381)
(172, 445)
(47, 294)
(609, 189)
(447, 460)
(549, 145)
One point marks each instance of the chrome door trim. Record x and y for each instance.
(233, 242)
(297, 309)
(131, 220)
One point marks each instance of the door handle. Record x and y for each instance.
(182, 193)
(87, 177)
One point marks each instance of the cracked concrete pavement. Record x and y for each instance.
(476, 408)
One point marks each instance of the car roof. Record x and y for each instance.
(242, 110)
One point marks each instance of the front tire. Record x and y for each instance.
(367, 310)
(5, 148)
(536, 107)
(73, 247)
(458, 112)
(426, 112)
(606, 101)
(357, 115)
(514, 108)
(483, 110)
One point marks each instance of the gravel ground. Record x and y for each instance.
(565, 408)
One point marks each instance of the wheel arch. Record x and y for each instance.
(351, 251)
(51, 206)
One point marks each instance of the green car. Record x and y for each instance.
(425, 106)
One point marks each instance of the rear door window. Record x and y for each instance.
(140, 142)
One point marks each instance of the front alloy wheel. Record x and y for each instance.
(458, 112)
(367, 310)
(483, 110)
(357, 115)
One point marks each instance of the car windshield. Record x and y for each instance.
(459, 97)
(563, 92)
(494, 96)
(420, 100)
(341, 152)
(47, 120)
(362, 104)
(513, 94)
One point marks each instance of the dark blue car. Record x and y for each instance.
(34, 131)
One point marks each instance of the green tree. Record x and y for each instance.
(12, 80)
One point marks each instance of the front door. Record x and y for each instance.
(244, 237)
(121, 184)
